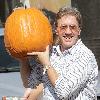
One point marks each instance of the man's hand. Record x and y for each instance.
(33, 94)
(27, 93)
(43, 56)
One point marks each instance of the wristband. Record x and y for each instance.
(46, 68)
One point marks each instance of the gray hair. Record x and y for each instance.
(69, 11)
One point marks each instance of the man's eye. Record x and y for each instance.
(63, 27)
(73, 27)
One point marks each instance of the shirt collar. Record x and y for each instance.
(70, 50)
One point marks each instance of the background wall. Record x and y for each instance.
(52, 5)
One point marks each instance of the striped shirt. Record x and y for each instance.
(77, 69)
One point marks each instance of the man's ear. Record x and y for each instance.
(56, 31)
(79, 32)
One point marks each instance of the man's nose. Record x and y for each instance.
(68, 30)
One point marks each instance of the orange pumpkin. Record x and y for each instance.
(27, 30)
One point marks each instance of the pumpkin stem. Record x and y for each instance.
(25, 6)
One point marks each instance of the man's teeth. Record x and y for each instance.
(67, 37)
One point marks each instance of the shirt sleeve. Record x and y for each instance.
(36, 75)
(76, 78)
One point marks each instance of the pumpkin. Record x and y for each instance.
(27, 30)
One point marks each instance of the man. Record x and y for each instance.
(70, 67)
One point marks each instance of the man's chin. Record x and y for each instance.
(67, 45)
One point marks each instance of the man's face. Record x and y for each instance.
(68, 31)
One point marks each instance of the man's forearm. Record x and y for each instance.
(25, 72)
(24, 75)
(52, 74)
